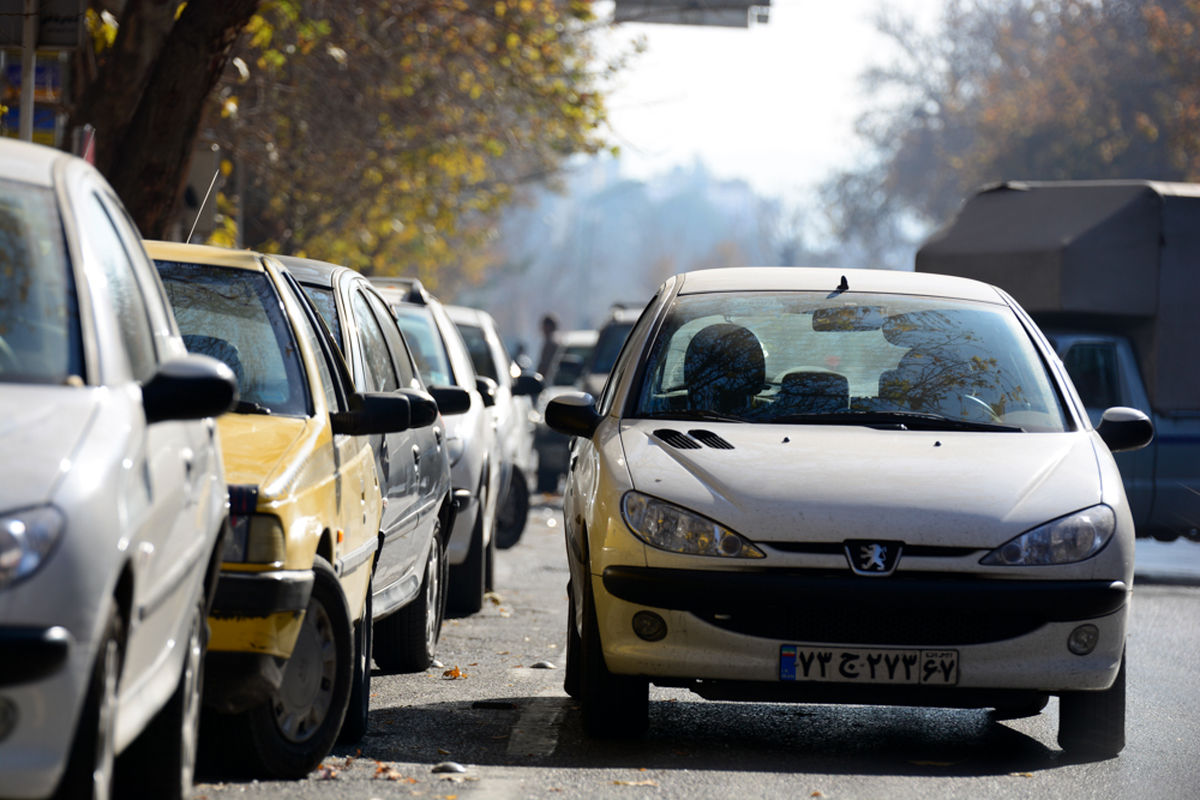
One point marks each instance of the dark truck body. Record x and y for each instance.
(1110, 270)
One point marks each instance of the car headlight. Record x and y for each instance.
(26, 538)
(668, 527)
(255, 539)
(1063, 541)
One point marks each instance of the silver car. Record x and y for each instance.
(112, 495)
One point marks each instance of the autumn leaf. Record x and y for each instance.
(454, 673)
(646, 782)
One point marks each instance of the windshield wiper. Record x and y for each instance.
(693, 414)
(905, 420)
(251, 407)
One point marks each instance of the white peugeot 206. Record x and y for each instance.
(866, 487)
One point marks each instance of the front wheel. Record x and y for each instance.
(613, 706)
(468, 579)
(408, 639)
(513, 512)
(90, 767)
(1092, 724)
(571, 673)
(293, 730)
(354, 726)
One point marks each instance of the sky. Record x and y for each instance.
(774, 104)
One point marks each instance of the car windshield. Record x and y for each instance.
(806, 357)
(40, 339)
(236, 316)
(426, 344)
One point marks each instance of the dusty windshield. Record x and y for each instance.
(803, 357)
(39, 316)
(234, 315)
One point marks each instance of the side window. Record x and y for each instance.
(304, 329)
(381, 375)
(625, 358)
(402, 359)
(103, 248)
(1093, 369)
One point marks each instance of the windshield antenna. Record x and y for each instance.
(200, 210)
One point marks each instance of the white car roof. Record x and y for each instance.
(733, 279)
(28, 162)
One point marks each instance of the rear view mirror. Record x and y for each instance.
(451, 399)
(526, 385)
(848, 318)
(191, 387)
(422, 408)
(374, 412)
(1124, 429)
(487, 389)
(573, 414)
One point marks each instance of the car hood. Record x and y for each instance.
(45, 426)
(263, 450)
(780, 483)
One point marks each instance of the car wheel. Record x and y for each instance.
(613, 706)
(162, 760)
(467, 580)
(489, 565)
(90, 766)
(293, 730)
(1019, 709)
(408, 639)
(510, 520)
(354, 726)
(571, 673)
(1092, 724)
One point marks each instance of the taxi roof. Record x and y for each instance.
(203, 254)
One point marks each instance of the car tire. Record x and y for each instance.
(408, 639)
(1020, 709)
(294, 729)
(1092, 724)
(91, 764)
(513, 512)
(358, 709)
(571, 672)
(161, 762)
(613, 706)
(468, 579)
(489, 565)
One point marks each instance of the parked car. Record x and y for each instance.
(514, 417)
(113, 500)
(609, 340)
(566, 369)
(409, 583)
(291, 617)
(878, 490)
(443, 360)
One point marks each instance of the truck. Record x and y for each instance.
(1110, 271)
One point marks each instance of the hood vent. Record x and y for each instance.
(711, 439)
(680, 441)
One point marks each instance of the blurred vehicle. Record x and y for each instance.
(514, 417)
(878, 491)
(112, 503)
(566, 369)
(292, 599)
(471, 437)
(609, 340)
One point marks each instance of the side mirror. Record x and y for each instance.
(451, 399)
(573, 413)
(374, 412)
(191, 387)
(487, 389)
(422, 408)
(1124, 428)
(527, 386)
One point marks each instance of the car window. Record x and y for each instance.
(377, 359)
(323, 300)
(402, 358)
(608, 345)
(103, 248)
(426, 344)
(236, 315)
(1093, 369)
(477, 348)
(776, 357)
(40, 338)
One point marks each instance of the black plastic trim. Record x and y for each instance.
(31, 654)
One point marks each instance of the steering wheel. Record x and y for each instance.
(978, 404)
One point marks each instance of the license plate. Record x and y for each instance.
(860, 665)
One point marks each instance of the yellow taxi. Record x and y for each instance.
(305, 506)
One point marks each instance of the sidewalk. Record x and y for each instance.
(1176, 562)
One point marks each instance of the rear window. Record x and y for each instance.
(236, 316)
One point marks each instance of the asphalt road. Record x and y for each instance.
(497, 711)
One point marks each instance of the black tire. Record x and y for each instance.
(1092, 724)
(408, 639)
(489, 565)
(1020, 709)
(513, 512)
(354, 726)
(613, 706)
(468, 579)
(161, 762)
(571, 672)
(295, 728)
(91, 763)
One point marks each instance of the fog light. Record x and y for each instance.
(1083, 639)
(8, 717)
(649, 626)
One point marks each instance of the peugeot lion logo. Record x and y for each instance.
(873, 558)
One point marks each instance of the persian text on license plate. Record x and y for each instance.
(858, 665)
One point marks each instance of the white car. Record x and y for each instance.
(866, 487)
(112, 495)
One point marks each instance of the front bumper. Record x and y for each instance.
(725, 630)
(259, 612)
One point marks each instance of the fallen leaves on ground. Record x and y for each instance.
(646, 782)
(454, 673)
(327, 773)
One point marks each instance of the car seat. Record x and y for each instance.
(812, 392)
(724, 368)
(218, 349)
